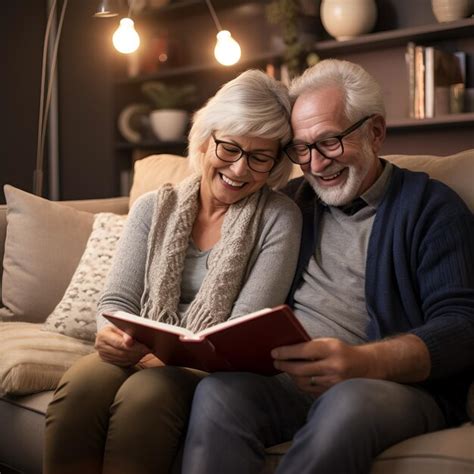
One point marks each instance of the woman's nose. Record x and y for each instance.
(240, 167)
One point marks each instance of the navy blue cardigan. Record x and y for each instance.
(419, 276)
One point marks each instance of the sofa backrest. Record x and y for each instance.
(457, 171)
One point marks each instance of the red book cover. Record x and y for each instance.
(242, 344)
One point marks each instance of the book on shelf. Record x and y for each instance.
(444, 75)
(239, 344)
(410, 62)
(419, 82)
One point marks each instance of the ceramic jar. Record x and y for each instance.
(169, 125)
(345, 19)
(451, 10)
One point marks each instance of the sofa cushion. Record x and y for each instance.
(75, 314)
(454, 170)
(155, 170)
(34, 360)
(439, 452)
(21, 442)
(44, 243)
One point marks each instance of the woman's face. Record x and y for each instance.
(225, 183)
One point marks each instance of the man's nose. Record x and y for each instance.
(318, 161)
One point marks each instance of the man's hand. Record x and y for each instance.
(319, 364)
(117, 347)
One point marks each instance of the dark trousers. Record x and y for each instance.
(235, 416)
(113, 420)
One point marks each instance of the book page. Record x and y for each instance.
(230, 322)
(178, 330)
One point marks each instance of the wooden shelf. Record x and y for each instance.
(152, 145)
(465, 119)
(384, 39)
(199, 69)
(187, 7)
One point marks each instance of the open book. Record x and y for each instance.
(240, 344)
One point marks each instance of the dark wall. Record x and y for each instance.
(86, 73)
(86, 69)
(21, 30)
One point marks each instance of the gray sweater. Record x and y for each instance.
(269, 273)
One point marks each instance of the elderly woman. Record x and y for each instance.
(219, 245)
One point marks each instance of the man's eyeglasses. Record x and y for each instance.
(230, 153)
(331, 147)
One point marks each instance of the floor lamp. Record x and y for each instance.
(48, 74)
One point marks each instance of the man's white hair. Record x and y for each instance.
(361, 92)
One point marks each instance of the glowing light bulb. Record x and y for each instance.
(227, 50)
(125, 38)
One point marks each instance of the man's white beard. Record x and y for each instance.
(349, 190)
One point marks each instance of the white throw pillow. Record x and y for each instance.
(75, 314)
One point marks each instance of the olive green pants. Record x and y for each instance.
(114, 420)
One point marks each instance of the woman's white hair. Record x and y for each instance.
(254, 105)
(362, 93)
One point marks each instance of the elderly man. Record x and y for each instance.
(384, 285)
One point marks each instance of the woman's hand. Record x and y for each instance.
(117, 347)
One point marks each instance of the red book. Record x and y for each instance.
(242, 344)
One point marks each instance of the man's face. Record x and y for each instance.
(320, 114)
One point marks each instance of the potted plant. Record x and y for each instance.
(298, 23)
(169, 117)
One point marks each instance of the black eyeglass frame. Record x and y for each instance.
(247, 155)
(339, 137)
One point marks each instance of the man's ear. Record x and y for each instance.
(377, 133)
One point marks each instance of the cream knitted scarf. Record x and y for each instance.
(175, 212)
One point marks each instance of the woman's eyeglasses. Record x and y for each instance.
(230, 153)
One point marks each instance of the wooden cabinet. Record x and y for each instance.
(190, 32)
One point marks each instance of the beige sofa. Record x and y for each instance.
(22, 416)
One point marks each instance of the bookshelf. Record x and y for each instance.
(382, 53)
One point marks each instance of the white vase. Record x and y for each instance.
(345, 19)
(451, 10)
(169, 124)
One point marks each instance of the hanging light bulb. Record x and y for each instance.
(227, 50)
(125, 38)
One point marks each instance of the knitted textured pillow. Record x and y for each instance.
(75, 314)
(34, 360)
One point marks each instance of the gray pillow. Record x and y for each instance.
(44, 243)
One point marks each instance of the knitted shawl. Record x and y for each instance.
(174, 215)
